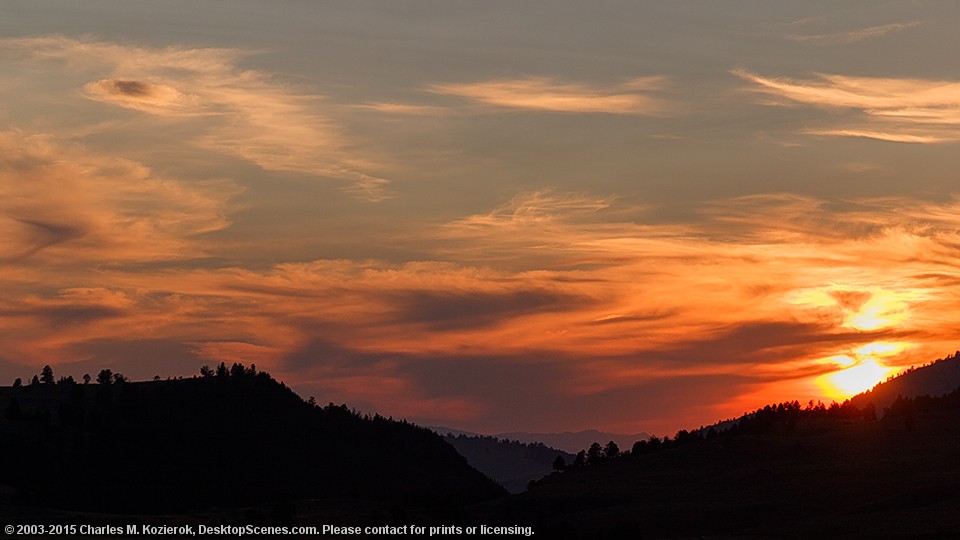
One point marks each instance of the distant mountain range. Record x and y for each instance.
(568, 441)
(514, 459)
(512, 464)
(576, 440)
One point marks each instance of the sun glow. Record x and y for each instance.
(882, 310)
(860, 308)
(859, 378)
(859, 372)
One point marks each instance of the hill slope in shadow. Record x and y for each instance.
(781, 472)
(229, 439)
(512, 464)
(934, 379)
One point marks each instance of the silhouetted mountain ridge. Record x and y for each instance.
(234, 437)
(785, 470)
(512, 464)
(574, 441)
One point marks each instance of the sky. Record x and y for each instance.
(493, 216)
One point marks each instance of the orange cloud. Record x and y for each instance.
(61, 204)
(240, 112)
(401, 108)
(544, 94)
(898, 110)
(140, 95)
(561, 301)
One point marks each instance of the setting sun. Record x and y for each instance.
(853, 378)
(860, 370)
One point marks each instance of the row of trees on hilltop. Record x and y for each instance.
(107, 376)
(46, 377)
(230, 436)
(782, 416)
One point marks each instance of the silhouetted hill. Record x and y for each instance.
(568, 441)
(934, 379)
(512, 464)
(227, 439)
(574, 441)
(784, 471)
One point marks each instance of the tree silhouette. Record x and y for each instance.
(46, 375)
(594, 453)
(580, 460)
(559, 464)
(236, 370)
(611, 451)
(105, 377)
(86, 378)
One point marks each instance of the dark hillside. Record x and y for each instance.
(227, 439)
(512, 464)
(783, 472)
(934, 379)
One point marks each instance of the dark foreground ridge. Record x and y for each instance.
(846, 470)
(233, 440)
(230, 438)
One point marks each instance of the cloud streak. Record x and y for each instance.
(634, 97)
(60, 203)
(852, 36)
(891, 109)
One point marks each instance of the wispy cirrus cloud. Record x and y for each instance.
(891, 109)
(404, 109)
(61, 203)
(852, 36)
(67, 215)
(240, 112)
(634, 97)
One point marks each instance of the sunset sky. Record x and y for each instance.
(488, 215)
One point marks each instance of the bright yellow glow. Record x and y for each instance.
(861, 308)
(843, 360)
(882, 348)
(811, 298)
(854, 379)
(882, 310)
